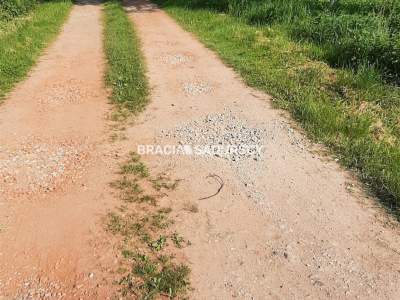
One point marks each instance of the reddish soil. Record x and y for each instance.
(292, 225)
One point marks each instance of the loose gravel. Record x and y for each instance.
(222, 129)
(175, 59)
(195, 88)
(36, 167)
(227, 129)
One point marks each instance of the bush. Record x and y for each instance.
(13, 8)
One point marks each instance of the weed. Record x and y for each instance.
(115, 223)
(179, 241)
(157, 277)
(164, 182)
(136, 169)
(160, 220)
(144, 236)
(158, 244)
(148, 199)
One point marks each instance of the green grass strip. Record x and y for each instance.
(354, 114)
(126, 70)
(20, 48)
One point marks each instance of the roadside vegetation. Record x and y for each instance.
(148, 266)
(10, 9)
(333, 64)
(26, 28)
(125, 74)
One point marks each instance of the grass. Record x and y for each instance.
(159, 277)
(148, 267)
(125, 74)
(355, 112)
(10, 9)
(23, 39)
(347, 32)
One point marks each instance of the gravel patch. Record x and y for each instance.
(224, 129)
(196, 88)
(69, 92)
(36, 289)
(227, 129)
(175, 59)
(37, 167)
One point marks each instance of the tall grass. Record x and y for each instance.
(350, 33)
(10, 9)
(125, 70)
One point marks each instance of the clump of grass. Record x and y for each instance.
(179, 240)
(135, 167)
(158, 244)
(162, 181)
(160, 220)
(20, 48)
(147, 270)
(125, 73)
(354, 112)
(157, 277)
(132, 171)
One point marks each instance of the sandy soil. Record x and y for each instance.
(293, 225)
(289, 225)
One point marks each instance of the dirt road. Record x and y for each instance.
(289, 224)
(55, 166)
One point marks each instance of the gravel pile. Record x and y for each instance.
(222, 129)
(226, 128)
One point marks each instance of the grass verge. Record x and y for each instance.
(21, 47)
(126, 70)
(354, 113)
(148, 268)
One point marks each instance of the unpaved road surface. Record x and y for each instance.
(55, 166)
(289, 224)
